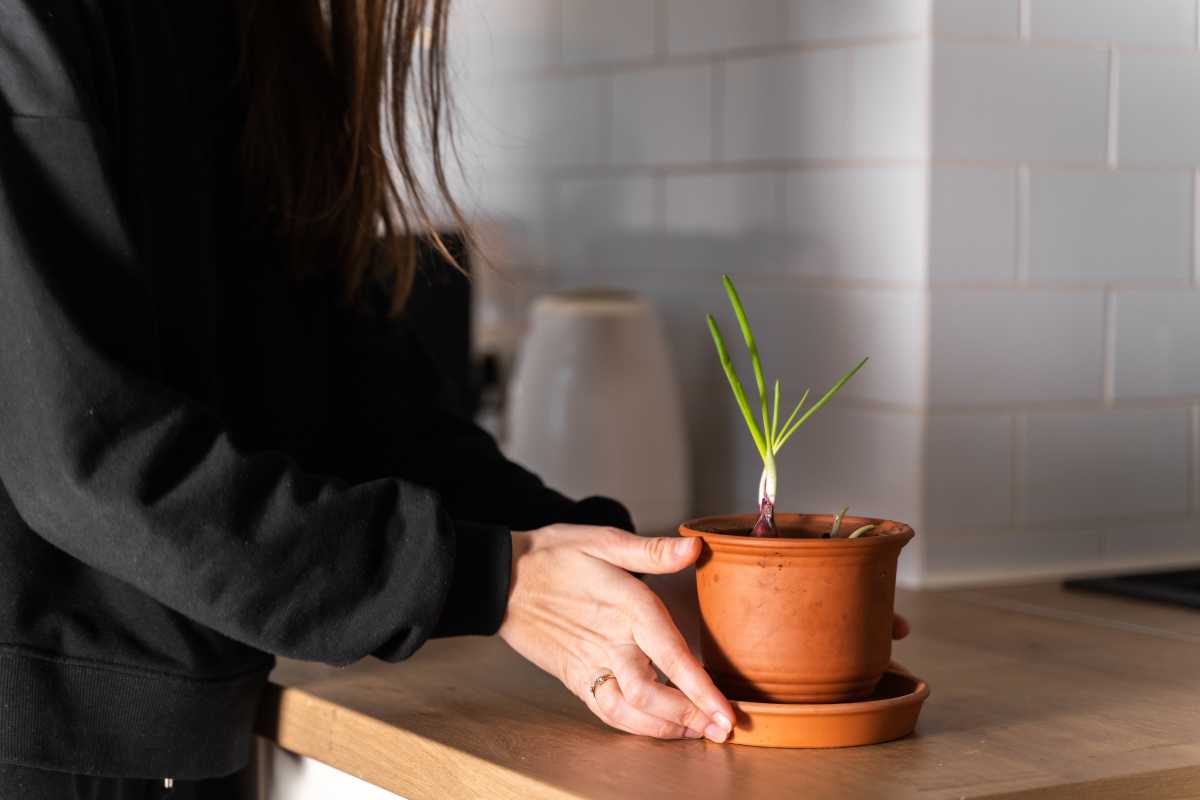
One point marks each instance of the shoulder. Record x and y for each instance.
(47, 57)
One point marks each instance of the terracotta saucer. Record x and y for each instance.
(889, 713)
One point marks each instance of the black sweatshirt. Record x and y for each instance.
(202, 461)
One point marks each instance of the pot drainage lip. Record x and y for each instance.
(890, 713)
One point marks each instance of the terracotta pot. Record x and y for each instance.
(796, 620)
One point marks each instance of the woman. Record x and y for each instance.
(218, 443)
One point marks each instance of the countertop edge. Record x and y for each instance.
(385, 753)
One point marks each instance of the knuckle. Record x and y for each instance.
(613, 536)
(606, 701)
(666, 730)
(672, 660)
(646, 603)
(691, 716)
(638, 692)
(656, 548)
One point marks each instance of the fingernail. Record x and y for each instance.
(683, 547)
(692, 733)
(723, 721)
(716, 733)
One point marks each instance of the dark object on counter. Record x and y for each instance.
(1178, 587)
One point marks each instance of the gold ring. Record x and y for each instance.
(601, 680)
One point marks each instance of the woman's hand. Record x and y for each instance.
(576, 612)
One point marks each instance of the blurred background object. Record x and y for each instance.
(994, 199)
(595, 408)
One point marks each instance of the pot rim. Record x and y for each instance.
(890, 533)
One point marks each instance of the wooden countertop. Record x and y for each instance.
(1036, 692)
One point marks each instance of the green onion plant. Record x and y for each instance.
(770, 436)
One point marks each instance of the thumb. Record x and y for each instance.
(655, 555)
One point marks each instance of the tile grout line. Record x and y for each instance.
(834, 163)
(1023, 223)
(1068, 526)
(668, 59)
(558, 26)
(717, 113)
(661, 40)
(847, 97)
(1093, 407)
(606, 100)
(1114, 86)
(1109, 332)
(1017, 468)
(660, 203)
(1194, 460)
(1196, 227)
(781, 279)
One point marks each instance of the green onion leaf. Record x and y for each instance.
(787, 434)
(837, 522)
(776, 443)
(734, 383)
(748, 335)
(774, 419)
(861, 531)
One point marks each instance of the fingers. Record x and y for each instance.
(900, 627)
(654, 555)
(608, 703)
(642, 689)
(658, 638)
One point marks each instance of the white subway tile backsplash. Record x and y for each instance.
(1014, 346)
(786, 105)
(1157, 344)
(570, 120)
(857, 222)
(611, 31)
(809, 20)
(1110, 226)
(513, 217)
(532, 123)
(724, 204)
(972, 224)
(843, 455)
(1106, 464)
(813, 336)
(1015, 103)
(847, 456)
(1167, 543)
(662, 116)
(976, 17)
(1159, 109)
(720, 222)
(605, 223)
(956, 557)
(968, 471)
(664, 102)
(491, 40)
(889, 100)
(703, 26)
(1168, 23)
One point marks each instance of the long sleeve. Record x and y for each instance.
(139, 482)
(392, 429)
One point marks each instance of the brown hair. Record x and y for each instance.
(332, 89)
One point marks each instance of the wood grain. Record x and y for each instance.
(1035, 693)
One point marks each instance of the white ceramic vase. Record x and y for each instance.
(595, 408)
